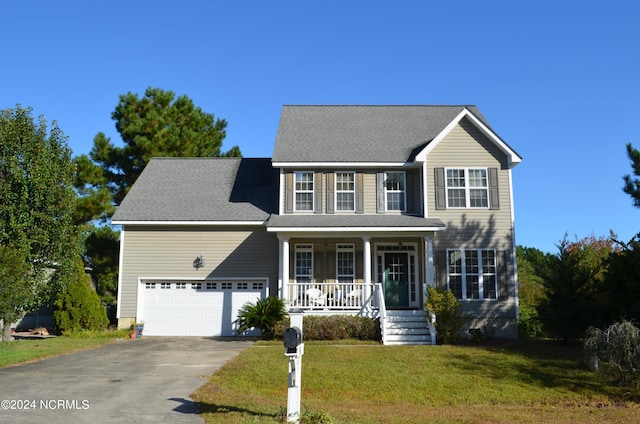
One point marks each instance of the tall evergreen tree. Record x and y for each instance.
(623, 281)
(158, 124)
(631, 184)
(155, 125)
(575, 289)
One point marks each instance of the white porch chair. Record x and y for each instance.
(316, 297)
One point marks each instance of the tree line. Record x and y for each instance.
(591, 282)
(55, 209)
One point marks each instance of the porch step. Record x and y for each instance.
(407, 327)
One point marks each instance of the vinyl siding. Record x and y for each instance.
(369, 192)
(170, 252)
(369, 195)
(466, 147)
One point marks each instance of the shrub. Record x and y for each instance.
(444, 305)
(78, 306)
(336, 327)
(619, 348)
(529, 324)
(264, 314)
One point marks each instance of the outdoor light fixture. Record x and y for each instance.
(198, 262)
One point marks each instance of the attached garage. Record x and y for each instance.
(195, 308)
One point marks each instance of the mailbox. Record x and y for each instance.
(292, 339)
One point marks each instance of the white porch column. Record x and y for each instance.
(429, 262)
(367, 268)
(283, 284)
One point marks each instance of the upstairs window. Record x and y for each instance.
(345, 191)
(467, 188)
(303, 191)
(395, 191)
(472, 274)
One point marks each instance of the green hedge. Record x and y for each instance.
(335, 327)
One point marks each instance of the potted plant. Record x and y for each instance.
(139, 328)
(135, 331)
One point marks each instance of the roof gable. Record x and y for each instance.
(360, 134)
(205, 190)
(512, 157)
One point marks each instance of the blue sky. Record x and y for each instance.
(559, 81)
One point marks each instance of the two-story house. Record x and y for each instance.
(359, 210)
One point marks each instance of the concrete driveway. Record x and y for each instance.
(129, 381)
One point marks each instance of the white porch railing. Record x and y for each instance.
(382, 307)
(431, 317)
(329, 295)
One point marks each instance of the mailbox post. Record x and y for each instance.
(294, 349)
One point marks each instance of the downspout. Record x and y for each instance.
(120, 267)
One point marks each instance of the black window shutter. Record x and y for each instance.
(380, 192)
(317, 192)
(330, 192)
(440, 261)
(359, 192)
(505, 273)
(288, 192)
(441, 198)
(494, 199)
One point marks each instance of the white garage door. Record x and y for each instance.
(194, 308)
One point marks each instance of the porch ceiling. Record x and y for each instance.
(353, 223)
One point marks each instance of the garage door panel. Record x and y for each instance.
(195, 308)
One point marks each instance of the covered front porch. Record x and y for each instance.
(355, 274)
(367, 271)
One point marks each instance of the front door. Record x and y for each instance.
(396, 281)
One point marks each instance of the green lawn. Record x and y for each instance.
(15, 352)
(506, 383)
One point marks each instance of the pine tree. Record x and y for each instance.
(632, 185)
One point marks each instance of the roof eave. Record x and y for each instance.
(512, 157)
(284, 164)
(184, 223)
(354, 229)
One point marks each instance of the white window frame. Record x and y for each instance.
(308, 276)
(340, 191)
(340, 276)
(297, 178)
(403, 191)
(467, 188)
(486, 273)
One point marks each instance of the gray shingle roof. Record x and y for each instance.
(202, 189)
(363, 221)
(360, 133)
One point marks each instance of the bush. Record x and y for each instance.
(336, 327)
(529, 324)
(444, 305)
(264, 314)
(78, 306)
(619, 348)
